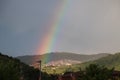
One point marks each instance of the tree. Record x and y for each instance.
(13, 69)
(96, 72)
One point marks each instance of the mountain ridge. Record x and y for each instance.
(57, 56)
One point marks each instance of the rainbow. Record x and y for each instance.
(49, 39)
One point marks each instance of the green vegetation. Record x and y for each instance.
(110, 61)
(96, 72)
(13, 69)
(101, 69)
(55, 70)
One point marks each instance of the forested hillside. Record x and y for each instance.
(12, 69)
(113, 60)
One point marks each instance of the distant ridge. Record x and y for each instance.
(58, 56)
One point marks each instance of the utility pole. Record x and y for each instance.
(39, 69)
(21, 73)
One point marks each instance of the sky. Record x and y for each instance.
(86, 27)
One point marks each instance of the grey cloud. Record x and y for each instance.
(92, 27)
(87, 26)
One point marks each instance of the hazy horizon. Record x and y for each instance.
(86, 26)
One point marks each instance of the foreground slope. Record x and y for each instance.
(12, 69)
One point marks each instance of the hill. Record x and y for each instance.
(109, 61)
(57, 57)
(12, 69)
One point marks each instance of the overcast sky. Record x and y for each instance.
(88, 26)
